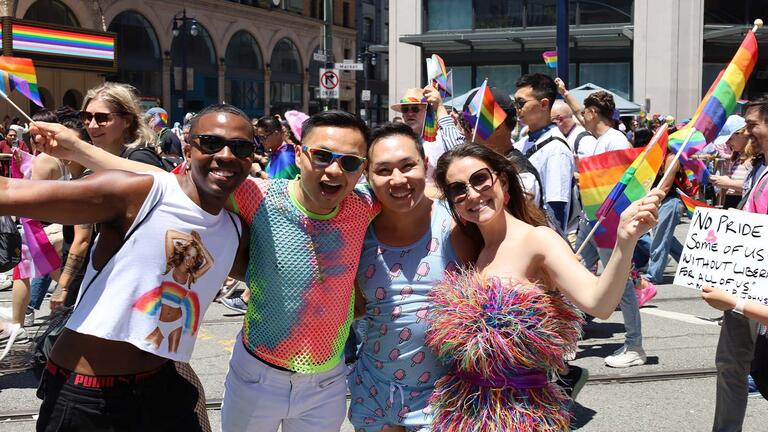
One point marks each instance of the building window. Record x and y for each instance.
(295, 5)
(498, 14)
(244, 80)
(51, 12)
(345, 17)
(462, 80)
(546, 70)
(139, 62)
(610, 76)
(368, 30)
(734, 12)
(605, 12)
(449, 14)
(501, 76)
(287, 78)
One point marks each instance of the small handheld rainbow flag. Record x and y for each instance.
(484, 114)
(690, 203)
(550, 58)
(633, 185)
(599, 174)
(19, 73)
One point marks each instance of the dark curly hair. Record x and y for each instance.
(603, 102)
(518, 205)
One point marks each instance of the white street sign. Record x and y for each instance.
(318, 57)
(329, 83)
(365, 96)
(349, 66)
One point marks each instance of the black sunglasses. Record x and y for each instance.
(101, 117)
(480, 180)
(323, 158)
(212, 144)
(411, 108)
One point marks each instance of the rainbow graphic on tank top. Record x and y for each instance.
(150, 302)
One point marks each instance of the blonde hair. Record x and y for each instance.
(123, 99)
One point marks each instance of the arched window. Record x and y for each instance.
(244, 79)
(198, 54)
(51, 12)
(139, 62)
(287, 78)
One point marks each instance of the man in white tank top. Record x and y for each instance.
(143, 295)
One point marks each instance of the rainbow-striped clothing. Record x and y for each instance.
(301, 274)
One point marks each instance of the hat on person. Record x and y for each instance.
(732, 125)
(413, 96)
(295, 120)
(157, 117)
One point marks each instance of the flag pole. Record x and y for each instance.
(648, 147)
(672, 166)
(758, 23)
(5, 96)
(479, 110)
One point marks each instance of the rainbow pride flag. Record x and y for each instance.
(282, 163)
(599, 174)
(429, 133)
(484, 114)
(720, 101)
(550, 58)
(633, 185)
(19, 74)
(438, 76)
(690, 203)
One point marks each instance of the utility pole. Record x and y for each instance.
(562, 40)
(328, 44)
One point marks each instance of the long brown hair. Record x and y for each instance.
(518, 205)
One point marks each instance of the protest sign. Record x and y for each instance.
(726, 250)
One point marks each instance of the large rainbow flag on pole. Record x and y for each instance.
(19, 73)
(633, 185)
(720, 101)
(484, 115)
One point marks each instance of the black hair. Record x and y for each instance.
(45, 115)
(543, 86)
(761, 104)
(390, 129)
(519, 205)
(642, 137)
(337, 118)
(220, 108)
(269, 123)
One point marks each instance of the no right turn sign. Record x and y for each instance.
(329, 83)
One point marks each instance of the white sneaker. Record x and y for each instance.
(626, 356)
(13, 333)
(29, 317)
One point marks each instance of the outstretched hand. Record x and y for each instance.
(561, 88)
(640, 216)
(56, 140)
(718, 298)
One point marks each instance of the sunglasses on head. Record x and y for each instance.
(323, 158)
(212, 144)
(411, 109)
(101, 117)
(481, 180)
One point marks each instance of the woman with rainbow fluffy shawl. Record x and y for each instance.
(505, 325)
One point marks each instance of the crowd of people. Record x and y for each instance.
(433, 280)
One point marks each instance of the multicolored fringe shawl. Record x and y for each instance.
(504, 340)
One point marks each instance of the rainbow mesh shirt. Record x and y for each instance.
(301, 272)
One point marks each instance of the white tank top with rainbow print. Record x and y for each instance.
(154, 292)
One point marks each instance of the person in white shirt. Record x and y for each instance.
(544, 145)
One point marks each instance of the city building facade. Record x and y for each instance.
(662, 54)
(186, 54)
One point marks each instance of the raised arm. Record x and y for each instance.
(570, 100)
(61, 142)
(102, 197)
(597, 296)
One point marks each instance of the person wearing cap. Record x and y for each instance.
(731, 143)
(169, 143)
(413, 107)
(544, 145)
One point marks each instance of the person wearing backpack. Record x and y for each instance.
(544, 145)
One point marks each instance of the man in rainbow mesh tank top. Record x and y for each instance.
(286, 369)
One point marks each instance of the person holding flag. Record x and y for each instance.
(414, 106)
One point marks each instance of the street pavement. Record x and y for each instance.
(675, 391)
